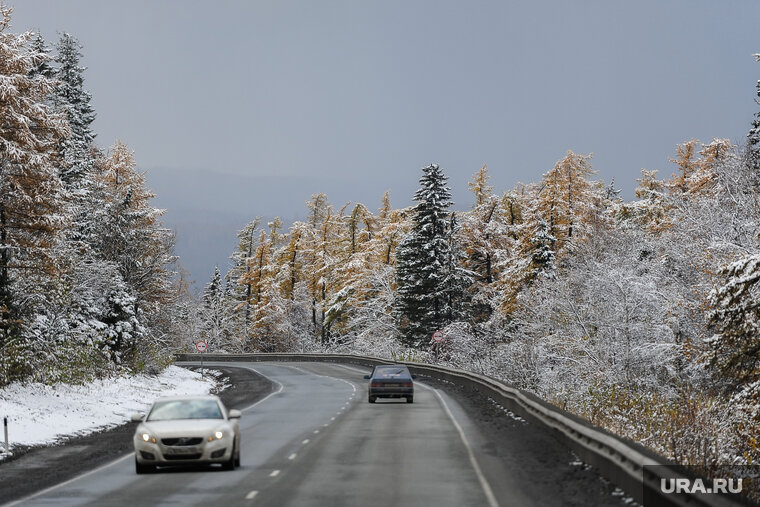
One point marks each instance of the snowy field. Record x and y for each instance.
(39, 414)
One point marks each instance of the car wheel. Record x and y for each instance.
(371, 399)
(143, 469)
(237, 459)
(230, 463)
(410, 399)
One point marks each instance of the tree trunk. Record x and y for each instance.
(5, 303)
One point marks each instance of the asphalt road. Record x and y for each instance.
(315, 441)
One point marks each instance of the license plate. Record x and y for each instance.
(180, 451)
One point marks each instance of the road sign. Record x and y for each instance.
(438, 336)
(201, 346)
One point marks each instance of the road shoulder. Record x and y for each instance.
(37, 468)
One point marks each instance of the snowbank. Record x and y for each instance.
(39, 414)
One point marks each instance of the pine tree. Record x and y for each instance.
(42, 68)
(735, 348)
(72, 100)
(458, 280)
(753, 139)
(424, 271)
(542, 254)
(214, 310)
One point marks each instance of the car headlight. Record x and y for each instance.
(217, 435)
(147, 437)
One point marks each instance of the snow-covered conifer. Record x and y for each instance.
(424, 260)
(458, 280)
(735, 347)
(74, 102)
(753, 139)
(42, 68)
(215, 311)
(542, 254)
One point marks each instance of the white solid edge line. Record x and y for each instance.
(278, 391)
(131, 453)
(473, 461)
(73, 479)
(483, 481)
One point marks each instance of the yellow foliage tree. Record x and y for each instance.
(567, 199)
(31, 196)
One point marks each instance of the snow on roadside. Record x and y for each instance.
(39, 414)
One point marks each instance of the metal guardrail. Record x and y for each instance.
(620, 460)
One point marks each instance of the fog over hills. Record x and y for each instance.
(206, 209)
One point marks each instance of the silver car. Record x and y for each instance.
(186, 431)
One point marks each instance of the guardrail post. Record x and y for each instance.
(5, 427)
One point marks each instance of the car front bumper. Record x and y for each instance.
(215, 451)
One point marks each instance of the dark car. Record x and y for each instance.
(390, 381)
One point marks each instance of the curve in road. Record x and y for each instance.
(315, 441)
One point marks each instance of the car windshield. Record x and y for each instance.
(185, 409)
(391, 372)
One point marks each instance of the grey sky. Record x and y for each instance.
(245, 108)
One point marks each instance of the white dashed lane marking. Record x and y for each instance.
(274, 473)
(251, 495)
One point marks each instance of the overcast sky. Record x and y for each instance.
(238, 108)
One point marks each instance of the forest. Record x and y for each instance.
(641, 316)
(89, 284)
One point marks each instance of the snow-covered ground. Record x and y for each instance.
(39, 414)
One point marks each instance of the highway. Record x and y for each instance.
(315, 441)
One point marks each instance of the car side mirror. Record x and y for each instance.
(366, 377)
(414, 376)
(235, 414)
(137, 417)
